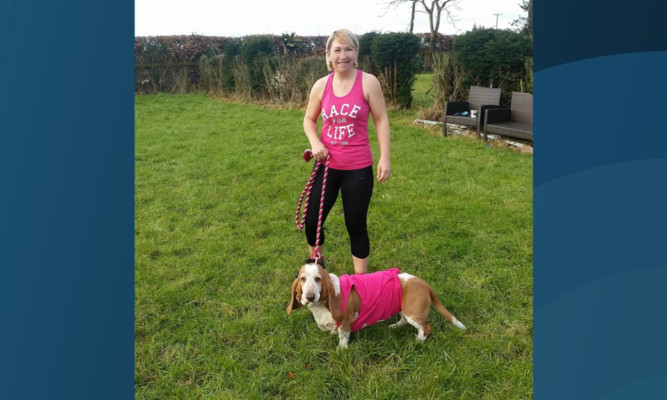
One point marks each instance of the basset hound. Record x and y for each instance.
(351, 302)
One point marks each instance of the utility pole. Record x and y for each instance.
(497, 19)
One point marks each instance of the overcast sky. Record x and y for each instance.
(307, 17)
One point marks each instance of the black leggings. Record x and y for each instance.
(356, 187)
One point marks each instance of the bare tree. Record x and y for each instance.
(530, 18)
(412, 18)
(434, 9)
(434, 12)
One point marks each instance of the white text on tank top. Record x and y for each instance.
(342, 129)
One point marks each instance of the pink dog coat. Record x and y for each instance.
(380, 294)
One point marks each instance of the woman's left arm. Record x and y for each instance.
(379, 112)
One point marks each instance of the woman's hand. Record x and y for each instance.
(384, 170)
(320, 152)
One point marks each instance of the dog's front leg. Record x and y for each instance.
(344, 331)
(343, 338)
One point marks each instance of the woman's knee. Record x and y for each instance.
(360, 247)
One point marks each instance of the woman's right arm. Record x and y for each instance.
(310, 120)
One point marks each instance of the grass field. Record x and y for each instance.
(217, 250)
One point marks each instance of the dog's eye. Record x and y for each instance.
(303, 279)
(318, 280)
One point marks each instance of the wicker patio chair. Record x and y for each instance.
(480, 98)
(516, 121)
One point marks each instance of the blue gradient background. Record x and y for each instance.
(67, 200)
(600, 200)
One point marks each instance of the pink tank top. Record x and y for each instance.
(345, 126)
(380, 294)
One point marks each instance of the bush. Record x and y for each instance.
(216, 74)
(254, 52)
(289, 79)
(396, 55)
(446, 79)
(493, 58)
(365, 53)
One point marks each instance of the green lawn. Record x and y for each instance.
(216, 252)
(422, 92)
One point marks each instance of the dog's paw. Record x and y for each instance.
(400, 322)
(343, 339)
(397, 324)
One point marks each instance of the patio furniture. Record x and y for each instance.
(516, 121)
(480, 99)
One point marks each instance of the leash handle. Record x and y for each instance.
(307, 155)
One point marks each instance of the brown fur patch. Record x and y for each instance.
(296, 294)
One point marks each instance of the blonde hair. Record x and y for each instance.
(344, 36)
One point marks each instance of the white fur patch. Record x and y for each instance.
(343, 339)
(311, 269)
(323, 318)
(335, 282)
(400, 322)
(405, 276)
(309, 286)
(458, 323)
(420, 328)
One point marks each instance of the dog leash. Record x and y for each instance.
(307, 156)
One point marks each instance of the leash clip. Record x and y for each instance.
(317, 255)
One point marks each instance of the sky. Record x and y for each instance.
(308, 17)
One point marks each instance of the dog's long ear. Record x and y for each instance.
(327, 291)
(328, 297)
(294, 302)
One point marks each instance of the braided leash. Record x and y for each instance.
(307, 156)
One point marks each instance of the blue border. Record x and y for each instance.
(66, 211)
(67, 203)
(599, 200)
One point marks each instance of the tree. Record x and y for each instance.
(434, 9)
(434, 13)
(530, 18)
(525, 24)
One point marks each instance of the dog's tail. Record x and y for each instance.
(445, 313)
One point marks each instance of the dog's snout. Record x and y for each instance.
(310, 297)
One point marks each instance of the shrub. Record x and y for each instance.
(254, 52)
(310, 69)
(216, 74)
(365, 53)
(242, 81)
(446, 79)
(289, 79)
(493, 58)
(397, 57)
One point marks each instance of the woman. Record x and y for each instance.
(344, 100)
